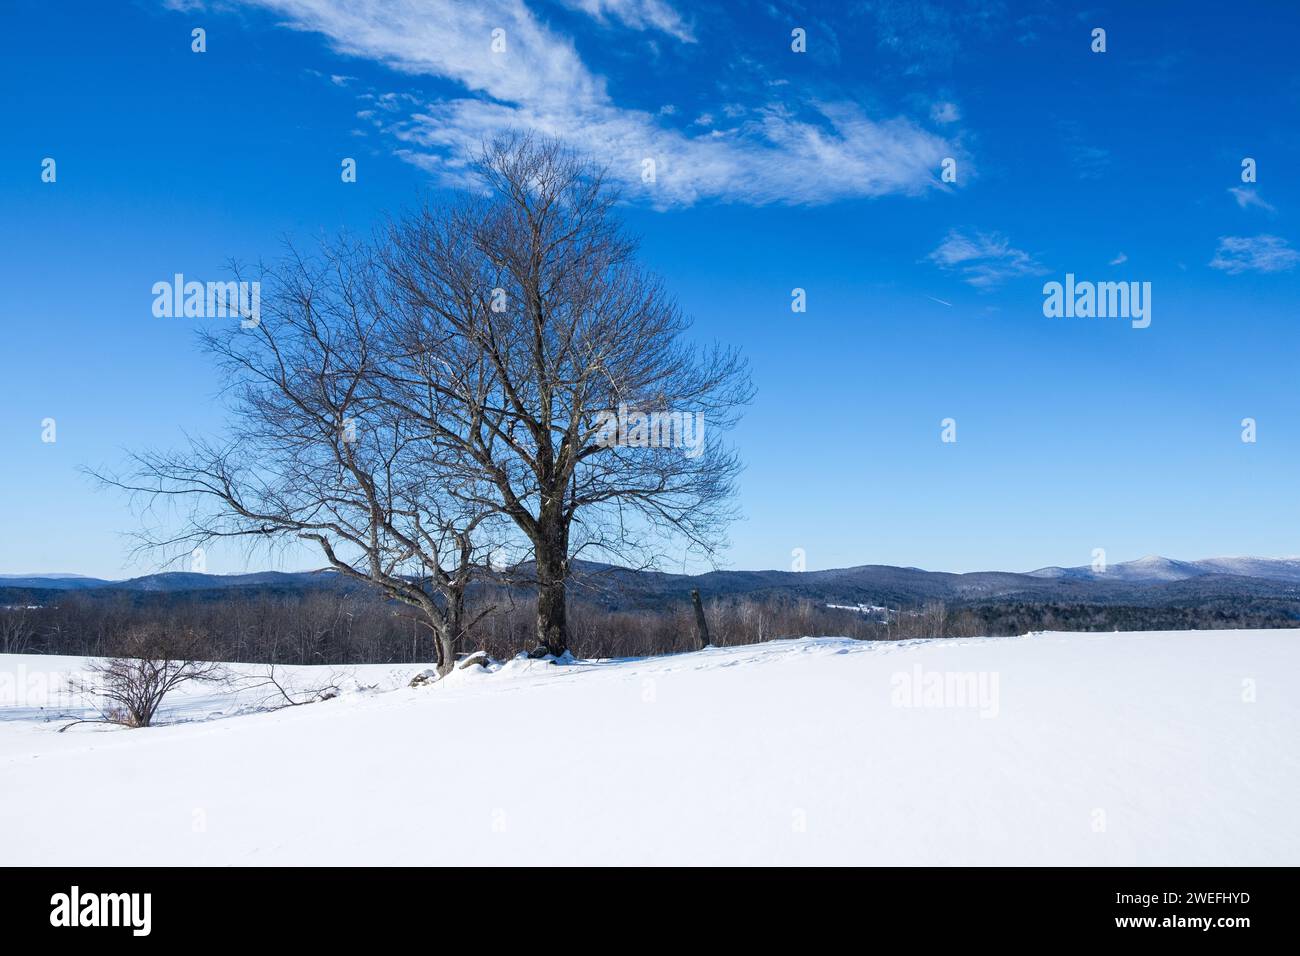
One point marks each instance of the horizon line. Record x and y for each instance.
(71, 575)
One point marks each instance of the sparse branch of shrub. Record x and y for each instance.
(280, 694)
(148, 663)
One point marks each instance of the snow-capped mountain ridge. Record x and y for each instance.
(1154, 568)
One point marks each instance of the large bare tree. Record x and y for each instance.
(523, 318)
(499, 362)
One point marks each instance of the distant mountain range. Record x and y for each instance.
(1151, 581)
(1155, 568)
(169, 581)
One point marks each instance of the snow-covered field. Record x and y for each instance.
(1141, 748)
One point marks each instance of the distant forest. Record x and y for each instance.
(352, 627)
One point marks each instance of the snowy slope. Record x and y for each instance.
(1083, 748)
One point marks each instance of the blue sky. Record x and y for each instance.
(775, 170)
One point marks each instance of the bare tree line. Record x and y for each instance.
(341, 628)
(335, 627)
(321, 627)
(328, 627)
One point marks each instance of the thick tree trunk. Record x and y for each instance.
(552, 624)
(446, 654)
(701, 624)
(448, 636)
(552, 627)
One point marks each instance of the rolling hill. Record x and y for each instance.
(1149, 582)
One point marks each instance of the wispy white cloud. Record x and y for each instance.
(984, 259)
(1263, 253)
(773, 158)
(824, 152)
(1249, 197)
(945, 112)
(638, 14)
(454, 40)
(1119, 260)
(338, 79)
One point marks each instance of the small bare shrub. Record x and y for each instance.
(148, 663)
